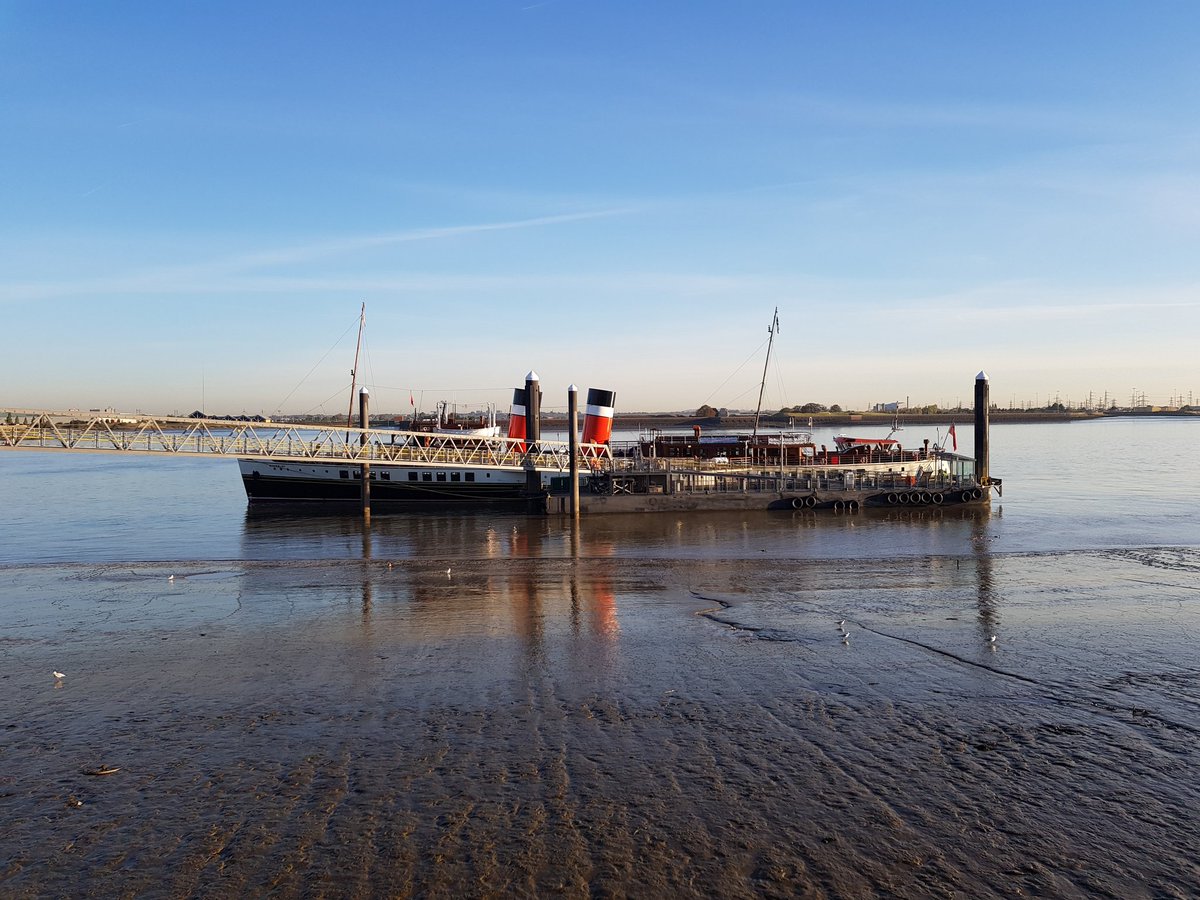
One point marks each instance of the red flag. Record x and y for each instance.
(954, 437)
(411, 401)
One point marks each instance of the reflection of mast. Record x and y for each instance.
(762, 387)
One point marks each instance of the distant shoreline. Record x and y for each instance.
(880, 420)
(628, 421)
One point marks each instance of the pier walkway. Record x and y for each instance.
(111, 432)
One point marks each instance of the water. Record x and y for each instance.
(653, 705)
(1068, 486)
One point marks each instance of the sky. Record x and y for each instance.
(197, 199)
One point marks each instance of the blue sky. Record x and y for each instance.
(196, 198)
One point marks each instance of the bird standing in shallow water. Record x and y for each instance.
(58, 676)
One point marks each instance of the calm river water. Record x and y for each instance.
(646, 706)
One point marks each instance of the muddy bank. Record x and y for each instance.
(601, 725)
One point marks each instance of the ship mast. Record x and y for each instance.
(362, 319)
(773, 330)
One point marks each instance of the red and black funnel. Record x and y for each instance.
(598, 416)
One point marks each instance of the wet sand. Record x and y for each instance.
(617, 727)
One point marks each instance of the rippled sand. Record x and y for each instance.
(640, 727)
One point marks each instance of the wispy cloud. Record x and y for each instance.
(219, 275)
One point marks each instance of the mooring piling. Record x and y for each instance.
(982, 404)
(533, 432)
(363, 418)
(573, 424)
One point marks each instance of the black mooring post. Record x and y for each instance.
(533, 432)
(533, 408)
(363, 419)
(573, 424)
(982, 404)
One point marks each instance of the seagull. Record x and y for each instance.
(58, 676)
(841, 622)
(447, 573)
(992, 639)
(170, 578)
(389, 565)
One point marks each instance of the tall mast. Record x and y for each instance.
(362, 319)
(762, 387)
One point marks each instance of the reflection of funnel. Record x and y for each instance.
(598, 418)
(604, 607)
(516, 417)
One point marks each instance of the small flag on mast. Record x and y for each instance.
(954, 438)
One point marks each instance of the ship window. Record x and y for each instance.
(470, 476)
(441, 476)
(454, 476)
(412, 476)
(427, 476)
(386, 476)
(344, 473)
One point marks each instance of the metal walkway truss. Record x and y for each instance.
(122, 433)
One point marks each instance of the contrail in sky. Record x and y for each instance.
(164, 278)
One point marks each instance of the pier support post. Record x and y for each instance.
(533, 432)
(573, 424)
(982, 405)
(363, 418)
(533, 408)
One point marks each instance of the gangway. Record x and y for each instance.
(109, 432)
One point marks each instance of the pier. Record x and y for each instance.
(52, 431)
(594, 475)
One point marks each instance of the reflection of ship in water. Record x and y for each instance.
(508, 576)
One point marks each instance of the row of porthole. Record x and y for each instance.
(412, 476)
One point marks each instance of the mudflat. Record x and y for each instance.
(578, 726)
